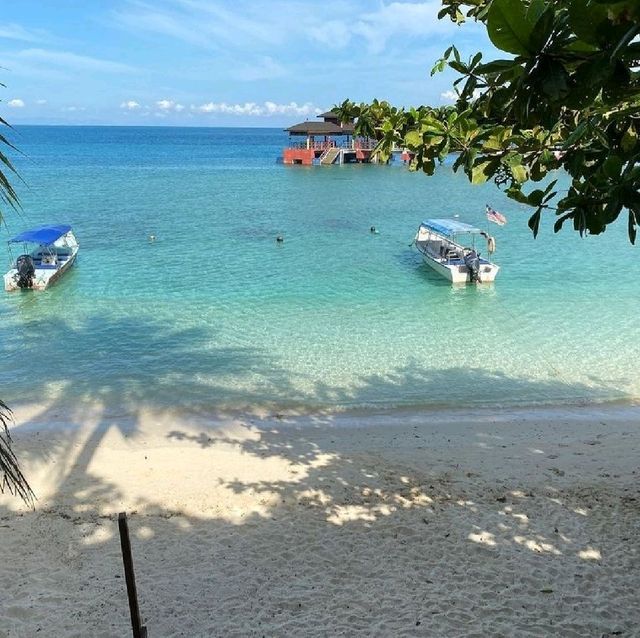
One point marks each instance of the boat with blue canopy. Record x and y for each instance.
(53, 251)
(449, 247)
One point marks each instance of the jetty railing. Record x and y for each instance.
(352, 145)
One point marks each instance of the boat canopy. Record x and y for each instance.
(450, 227)
(44, 235)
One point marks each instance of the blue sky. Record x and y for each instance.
(218, 62)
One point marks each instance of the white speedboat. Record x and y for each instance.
(439, 241)
(55, 251)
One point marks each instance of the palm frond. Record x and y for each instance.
(11, 477)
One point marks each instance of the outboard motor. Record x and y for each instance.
(472, 262)
(26, 271)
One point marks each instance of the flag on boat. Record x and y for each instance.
(495, 217)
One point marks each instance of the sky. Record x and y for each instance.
(219, 62)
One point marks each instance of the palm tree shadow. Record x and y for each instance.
(435, 521)
(85, 375)
(323, 484)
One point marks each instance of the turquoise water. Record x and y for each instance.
(215, 315)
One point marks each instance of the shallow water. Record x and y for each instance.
(214, 314)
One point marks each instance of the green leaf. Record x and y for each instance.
(543, 27)
(431, 125)
(496, 66)
(482, 171)
(549, 188)
(492, 144)
(536, 9)
(476, 58)
(535, 197)
(534, 222)
(439, 66)
(413, 139)
(555, 81)
(513, 159)
(592, 23)
(517, 195)
(508, 26)
(559, 222)
(519, 173)
(429, 166)
(629, 139)
(588, 81)
(458, 66)
(577, 134)
(433, 140)
(633, 222)
(612, 166)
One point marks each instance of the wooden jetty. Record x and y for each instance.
(327, 142)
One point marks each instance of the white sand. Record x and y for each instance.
(481, 525)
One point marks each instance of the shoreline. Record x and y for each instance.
(408, 524)
(29, 416)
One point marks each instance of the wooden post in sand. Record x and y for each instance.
(139, 631)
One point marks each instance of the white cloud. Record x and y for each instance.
(72, 61)
(203, 24)
(265, 109)
(248, 108)
(148, 19)
(265, 69)
(73, 109)
(41, 101)
(452, 96)
(393, 22)
(209, 107)
(130, 105)
(400, 19)
(167, 106)
(335, 34)
(13, 31)
(16, 103)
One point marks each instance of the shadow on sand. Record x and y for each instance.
(307, 528)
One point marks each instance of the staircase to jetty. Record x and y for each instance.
(329, 156)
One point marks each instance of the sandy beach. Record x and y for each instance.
(378, 524)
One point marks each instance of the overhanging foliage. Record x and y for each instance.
(566, 95)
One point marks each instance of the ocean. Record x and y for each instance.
(215, 315)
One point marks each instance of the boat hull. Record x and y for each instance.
(44, 277)
(459, 274)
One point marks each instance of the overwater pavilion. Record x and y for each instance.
(329, 142)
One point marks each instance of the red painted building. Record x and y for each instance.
(324, 140)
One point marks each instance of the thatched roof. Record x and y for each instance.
(319, 128)
(330, 115)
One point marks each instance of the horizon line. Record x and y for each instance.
(16, 125)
